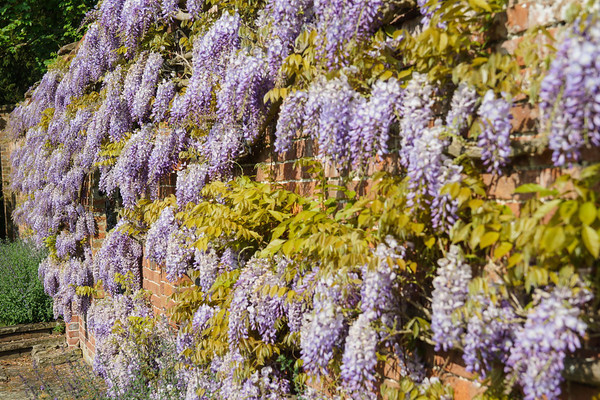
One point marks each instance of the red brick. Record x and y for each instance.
(464, 389)
(452, 364)
(518, 18)
(151, 286)
(168, 289)
(525, 117)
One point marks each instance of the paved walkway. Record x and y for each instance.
(20, 380)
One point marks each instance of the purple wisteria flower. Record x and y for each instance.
(449, 295)
(323, 330)
(462, 106)
(201, 317)
(130, 173)
(489, 335)
(416, 112)
(157, 239)
(147, 88)
(120, 253)
(370, 127)
(210, 57)
(133, 80)
(341, 21)
(250, 309)
(169, 8)
(180, 252)
(194, 7)
(360, 358)
(553, 329)
(289, 123)
(494, 139)
(165, 153)
(240, 102)
(190, 182)
(285, 19)
(164, 94)
(207, 263)
(570, 94)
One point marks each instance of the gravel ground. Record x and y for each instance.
(20, 380)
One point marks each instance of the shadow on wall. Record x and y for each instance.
(7, 200)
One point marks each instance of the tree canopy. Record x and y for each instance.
(31, 32)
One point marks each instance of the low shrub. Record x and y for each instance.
(22, 297)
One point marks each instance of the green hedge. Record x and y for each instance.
(22, 297)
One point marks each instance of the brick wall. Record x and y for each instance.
(531, 163)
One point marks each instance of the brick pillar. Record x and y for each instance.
(72, 331)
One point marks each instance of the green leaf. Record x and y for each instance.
(587, 213)
(430, 242)
(502, 250)
(277, 232)
(480, 4)
(554, 238)
(476, 236)
(535, 188)
(514, 259)
(386, 75)
(545, 208)
(591, 240)
(488, 239)
(567, 209)
(590, 171)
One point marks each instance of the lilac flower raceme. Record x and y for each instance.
(190, 182)
(136, 18)
(250, 309)
(210, 57)
(291, 117)
(164, 94)
(207, 263)
(147, 88)
(494, 139)
(110, 14)
(165, 153)
(425, 163)
(133, 80)
(223, 145)
(461, 108)
(330, 108)
(120, 253)
(194, 7)
(569, 94)
(169, 8)
(553, 329)
(339, 22)
(66, 244)
(416, 112)
(180, 252)
(322, 330)
(449, 294)
(489, 335)
(370, 127)
(286, 19)
(360, 358)
(201, 317)
(130, 172)
(118, 358)
(155, 248)
(241, 98)
(378, 294)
